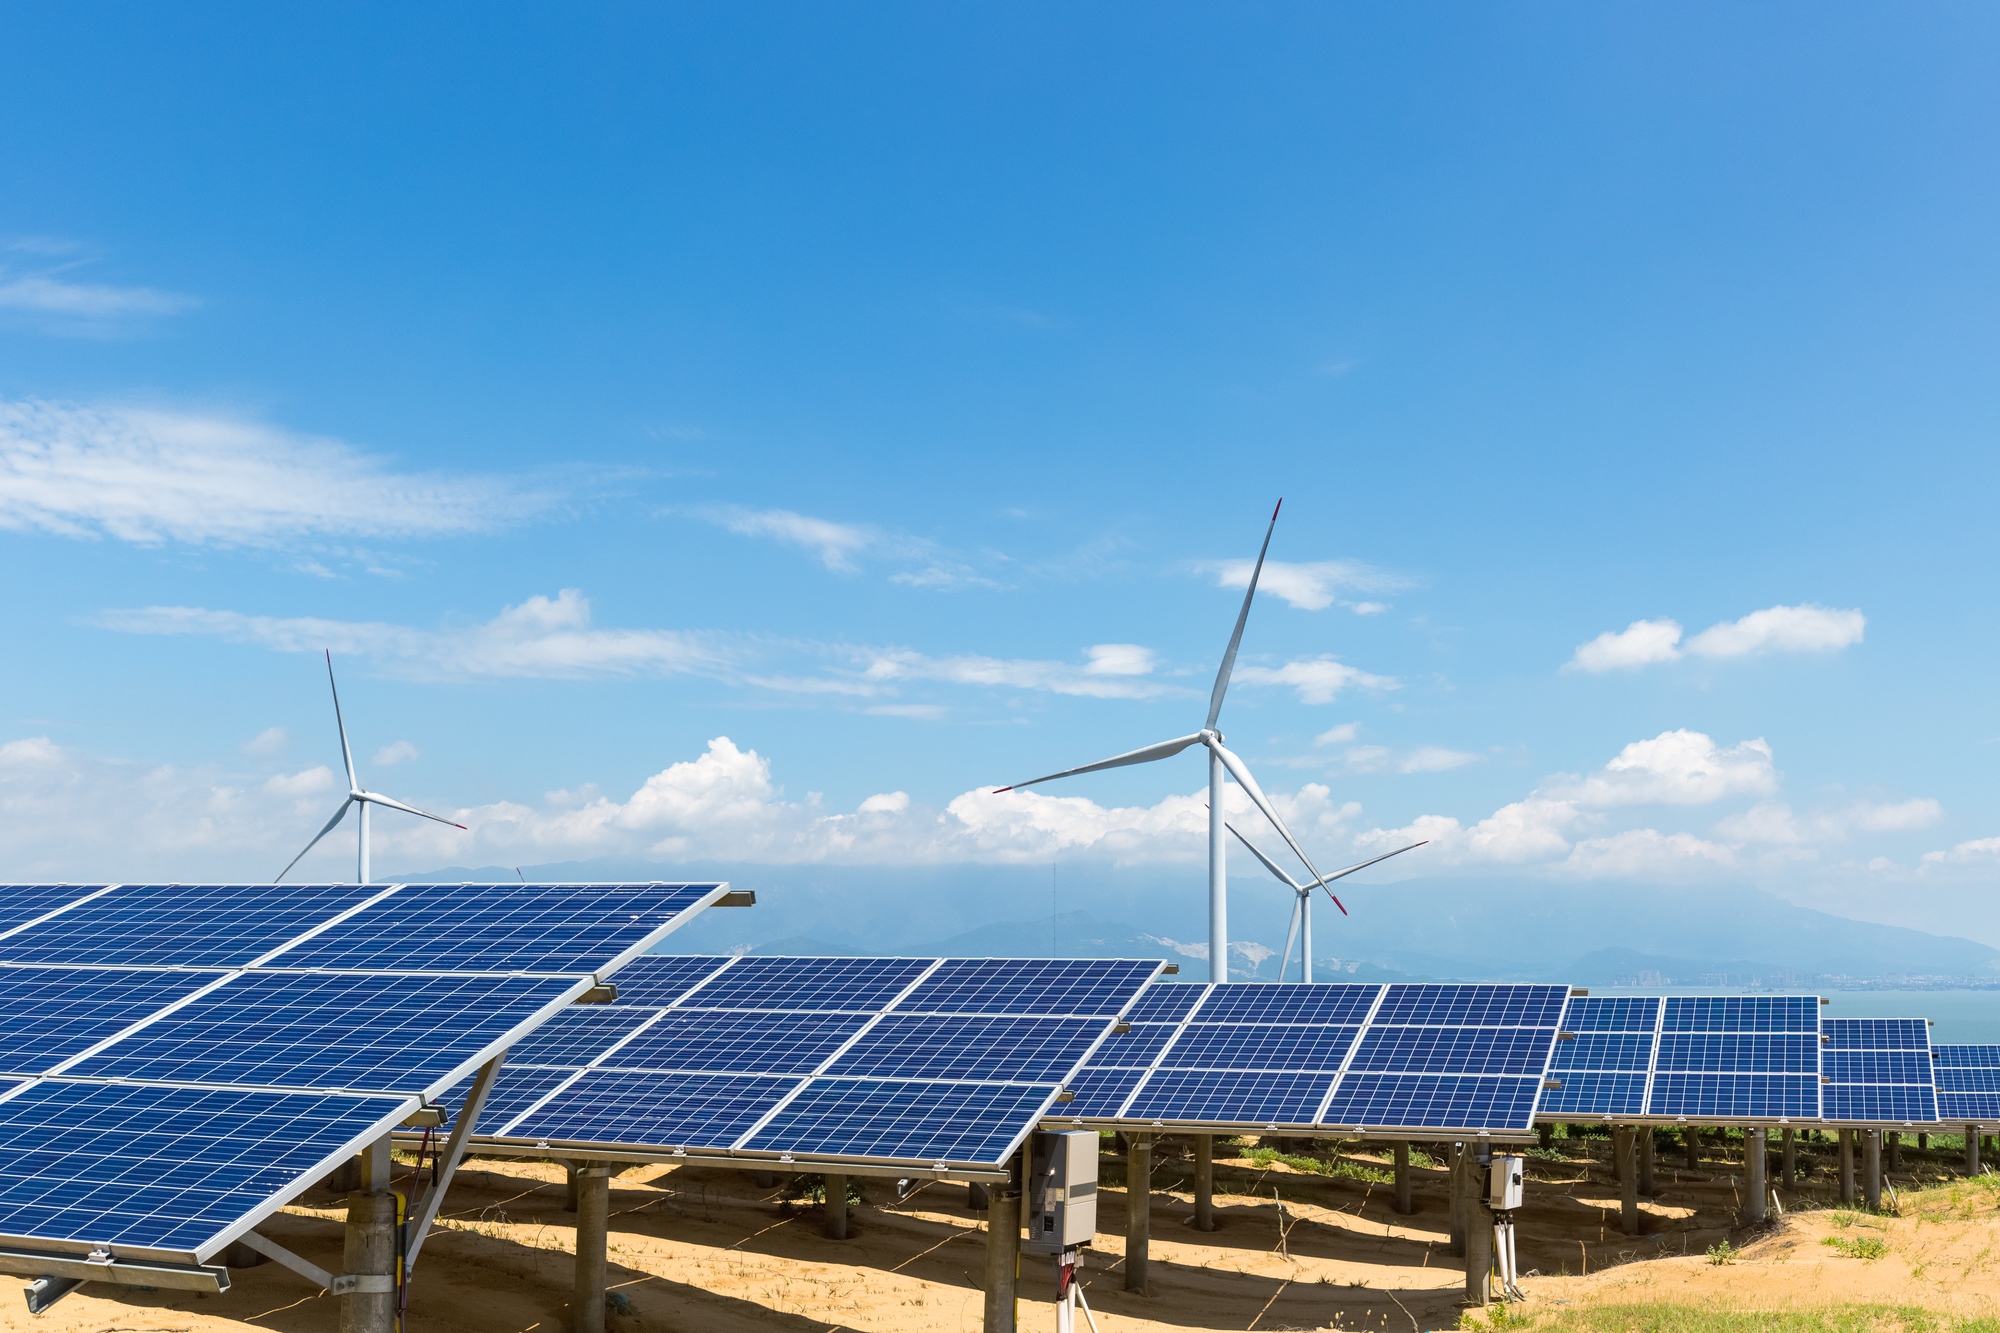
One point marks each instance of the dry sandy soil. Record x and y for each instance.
(706, 1250)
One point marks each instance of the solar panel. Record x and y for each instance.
(826, 1057)
(1736, 1058)
(1877, 1070)
(1967, 1079)
(1324, 1055)
(1603, 1059)
(30, 902)
(191, 1077)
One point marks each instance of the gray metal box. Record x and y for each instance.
(1504, 1183)
(1062, 1190)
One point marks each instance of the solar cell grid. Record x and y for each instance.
(1241, 1046)
(331, 1031)
(1738, 1053)
(1523, 1006)
(1453, 1050)
(48, 1014)
(1099, 1093)
(1893, 1104)
(736, 1042)
(1949, 1079)
(905, 1120)
(1012, 1050)
(1410, 1101)
(577, 1036)
(1095, 987)
(1878, 1034)
(1595, 1095)
(654, 1110)
(25, 902)
(1319, 1003)
(1197, 1096)
(1742, 1013)
(854, 985)
(1612, 1013)
(1968, 1057)
(658, 980)
(516, 1090)
(180, 925)
(1735, 1096)
(1167, 1002)
(1621, 1051)
(1876, 1066)
(1135, 1049)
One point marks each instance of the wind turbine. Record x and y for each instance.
(1220, 759)
(355, 796)
(1302, 907)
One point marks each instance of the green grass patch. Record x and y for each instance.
(1722, 1252)
(1338, 1169)
(1704, 1319)
(1858, 1247)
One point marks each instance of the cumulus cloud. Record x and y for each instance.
(397, 752)
(1423, 759)
(1318, 680)
(1676, 768)
(833, 544)
(151, 475)
(1311, 586)
(269, 741)
(1774, 823)
(541, 637)
(1777, 629)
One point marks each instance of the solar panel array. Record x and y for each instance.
(1325, 1055)
(1877, 1070)
(1707, 1059)
(177, 1061)
(925, 1061)
(1967, 1079)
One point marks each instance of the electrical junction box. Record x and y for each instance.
(1503, 1192)
(1062, 1190)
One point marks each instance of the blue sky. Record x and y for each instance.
(887, 391)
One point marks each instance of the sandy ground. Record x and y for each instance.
(706, 1250)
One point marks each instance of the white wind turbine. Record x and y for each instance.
(355, 796)
(1220, 759)
(1302, 905)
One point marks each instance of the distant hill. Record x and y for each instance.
(1433, 929)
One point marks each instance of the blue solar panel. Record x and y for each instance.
(502, 928)
(1594, 1095)
(1968, 1083)
(659, 980)
(1167, 1002)
(1637, 1013)
(1725, 1097)
(1876, 1066)
(180, 925)
(1625, 1052)
(577, 1036)
(1230, 1098)
(1453, 1050)
(516, 1091)
(48, 1014)
(1241, 1046)
(850, 985)
(1099, 1093)
(1738, 1053)
(1878, 1034)
(1742, 1013)
(1982, 1079)
(165, 1170)
(1136, 1049)
(1092, 987)
(938, 1122)
(1011, 1050)
(1318, 1003)
(1473, 1006)
(26, 902)
(1894, 1104)
(1403, 1101)
(1968, 1057)
(331, 1031)
(733, 1042)
(664, 1111)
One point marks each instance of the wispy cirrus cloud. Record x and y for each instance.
(842, 546)
(37, 283)
(1317, 680)
(1311, 586)
(1806, 628)
(151, 475)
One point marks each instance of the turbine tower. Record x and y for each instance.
(1220, 760)
(1302, 904)
(355, 796)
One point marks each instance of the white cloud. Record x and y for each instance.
(1114, 671)
(541, 637)
(269, 741)
(1777, 629)
(1781, 629)
(396, 753)
(1312, 586)
(1339, 735)
(1774, 823)
(150, 476)
(1676, 768)
(1317, 679)
(1647, 854)
(1641, 643)
(304, 783)
(89, 301)
(1424, 759)
(1983, 852)
(888, 803)
(920, 712)
(1119, 659)
(835, 544)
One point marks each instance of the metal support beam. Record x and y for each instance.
(1204, 1182)
(1972, 1150)
(1846, 1165)
(593, 1226)
(569, 1186)
(1624, 1154)
(833, 1215)
(1871, 1168)
(376, 1165)
(1457, 1155)
(1646, 1149)
(1478, 1228)
(1788, 1162)
(1138, 1210)
(1406, 1197)
(370, 1253)
(1003, 1256)
(1755, 1205)
(426, 1209)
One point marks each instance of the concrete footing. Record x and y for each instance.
(1893, 1161)
(1406, 1196)
(1756, 1192)
(1625, 1164)
(1138, 1210)
(833, 1215)
(370, 1252)
(1847, 1192)
(1003, 1257)
(593, 1222)
(1871, 1168)
(1788, 1159)
(1471, 1182)
(1647, 1187)
(1972, 1150)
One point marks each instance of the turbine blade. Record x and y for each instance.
(1236, 638)
(1241, 773)
(1362, 865)
(1269, 864)
(338, 815)
(1163, 750)
(346, 755)
(1291, 934)
(379, 799)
